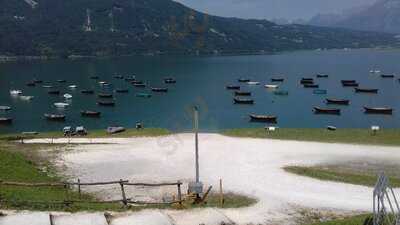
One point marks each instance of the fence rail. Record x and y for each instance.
(67, 201)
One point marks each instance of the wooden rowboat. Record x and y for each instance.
(263, 118)
(366, 90)
(318, 110)
(378, 110)
(242, 93)
(243, 101)
(233, 87)
(337, 101)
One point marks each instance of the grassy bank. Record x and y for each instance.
(23, 163)
(354, 220)
(146, 132)
(338, 175)
(355, 136)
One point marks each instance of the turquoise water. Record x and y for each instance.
(201, 81)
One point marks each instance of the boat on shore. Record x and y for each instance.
(159, 89)
(88, 113)
(143, 95)
(366, 90)
(106, 103)
(104, 95)
(263, 118)
(333, 111)
(54, 117)
(242, 93)
(334, 101)
(243, 101)
(6, 120)
(378, 110)
(87, 91)
(114, 130)
(232, 87)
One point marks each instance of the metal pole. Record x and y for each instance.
(196, 127)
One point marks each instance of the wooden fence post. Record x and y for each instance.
(66, 200)
(179, 193)
(79, 188)
(121, 183)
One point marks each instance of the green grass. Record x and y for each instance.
(21, 163)
(354, 220)
(337, 175)
(389, 137)
(146, 132)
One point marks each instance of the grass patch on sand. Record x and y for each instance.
(24, 163)
(338, 175)
(145, 132)
(389, 137)
(353, 220)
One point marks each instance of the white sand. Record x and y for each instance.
(248, 166)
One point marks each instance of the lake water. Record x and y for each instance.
(201, 81)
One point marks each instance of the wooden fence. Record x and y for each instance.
(122, 183)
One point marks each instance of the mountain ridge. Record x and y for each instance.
(122, 27)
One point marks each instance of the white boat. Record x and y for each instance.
(47, 86)
(61, 104)
(103, 83)
(271, 86)
(5, 108)
(72, 86)
(15, 92)
(26, 98)
(67, 96)
(253, 83)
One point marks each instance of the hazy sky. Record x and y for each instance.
(290, 9)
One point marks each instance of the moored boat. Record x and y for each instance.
(310, 85)
(350, 84)
(121, 90)
(277, 79)
(271, 86)
(88, 113)
(281, 92)
(253, 83)
(87, 91)
(319, 110)
(243, 80)
(130, 78)
(348, 81)
(366, 90)
(47, 86)
(242, 93)
(387, 75)
(243, 100)
(53, 92)
(233, 87)
(119, 77)
(61, 81)
(322, 75)
(104, 95)
(94, 77)
(143, 95)
(334, 101)
(72, 86)
(15, 92)
(54, 117)
(67, 96)
(378, 110)
(139, 85)
(26, 98)
(159, 89)
(31, 84)
(5, 120)
(320, 91)
(5, 108)
(169, 80)
(106, 103)
(263, 118)
(61, 104)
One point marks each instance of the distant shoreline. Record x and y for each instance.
(23, 58)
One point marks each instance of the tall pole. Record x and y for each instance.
(196, 128)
